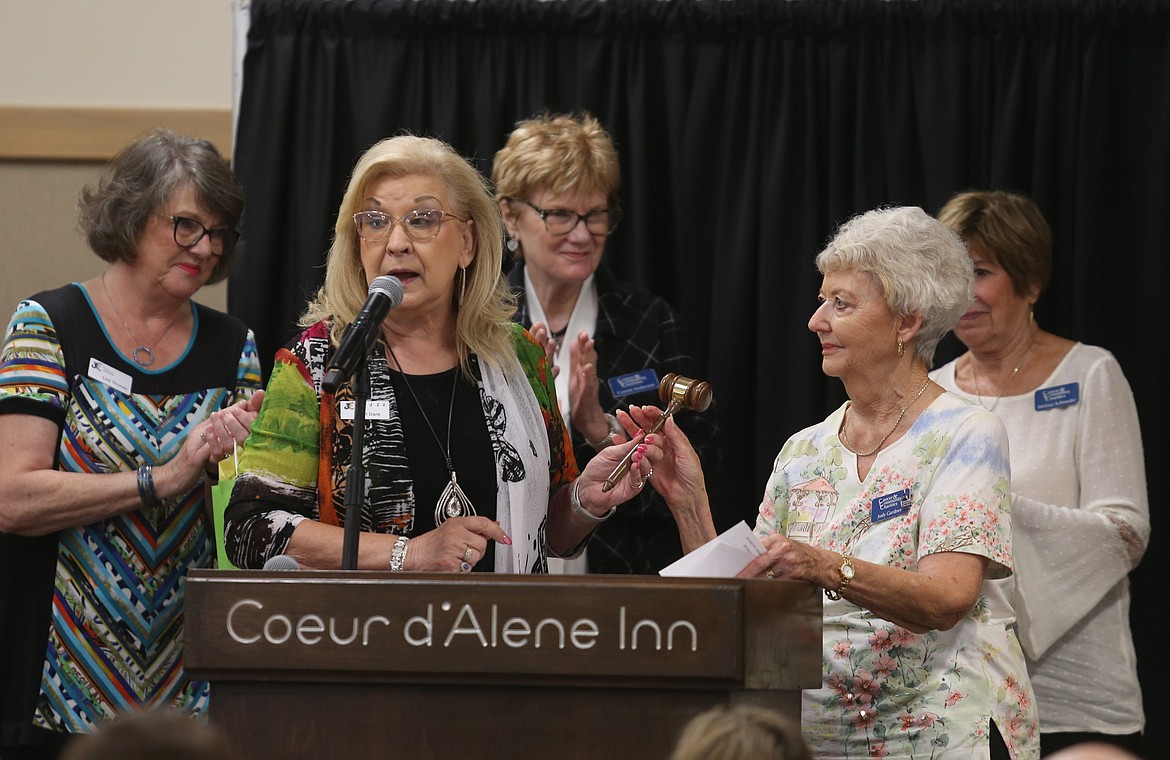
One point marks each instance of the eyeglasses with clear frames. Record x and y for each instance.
(562, 221)
(419, 225)
(189, 232)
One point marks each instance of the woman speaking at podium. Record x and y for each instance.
(467, 464)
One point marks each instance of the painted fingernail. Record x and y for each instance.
(649, 439)
(507, 540)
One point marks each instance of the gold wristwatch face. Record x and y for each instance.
(846, 569)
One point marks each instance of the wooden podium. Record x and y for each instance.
(331, 664)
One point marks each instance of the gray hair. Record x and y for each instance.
(142, 177)
(920, 266)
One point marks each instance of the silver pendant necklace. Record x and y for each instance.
(452, 501)
(147, 355)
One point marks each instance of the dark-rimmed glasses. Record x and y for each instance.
(562, 221)
(420, 225)
(189, 232)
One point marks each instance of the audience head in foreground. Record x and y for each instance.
(740, 732)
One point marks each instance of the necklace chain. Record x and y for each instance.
(845, 437)
(141, 347)
(556, 335)
(453, 502)
(1008, 384)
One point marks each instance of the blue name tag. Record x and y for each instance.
(1058, 396)
(889, 505)
(635, 382)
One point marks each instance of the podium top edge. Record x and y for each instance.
(211, 575)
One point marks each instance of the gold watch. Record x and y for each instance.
(847, 573)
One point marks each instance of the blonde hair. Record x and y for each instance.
(560, 153)
(148, 734)
(484, 318)
(740, 732)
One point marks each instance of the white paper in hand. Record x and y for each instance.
(722, 557)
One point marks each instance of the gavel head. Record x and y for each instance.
(685, 392)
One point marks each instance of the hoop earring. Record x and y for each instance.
(512, 244)
(901, 348)
(462, 284)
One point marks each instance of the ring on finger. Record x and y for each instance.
(203, 435)
(467, 554)
(771, 575)
(464, 567)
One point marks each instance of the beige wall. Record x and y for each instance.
(79, 79)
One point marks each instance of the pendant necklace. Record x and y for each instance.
(452, 501)
(141, 348)
(845, 438)
(557, 335)
(1008, 384)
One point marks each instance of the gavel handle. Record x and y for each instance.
(624, 465)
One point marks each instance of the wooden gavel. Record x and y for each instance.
(677, 392)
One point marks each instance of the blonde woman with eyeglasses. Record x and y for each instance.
(466, 464)
(557, 182)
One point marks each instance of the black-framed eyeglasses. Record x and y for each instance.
(419, 225)
(562, 221)
(189, 232)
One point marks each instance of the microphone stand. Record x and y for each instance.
(355, 477)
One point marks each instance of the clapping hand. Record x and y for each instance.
(584, 395)
(541, 334)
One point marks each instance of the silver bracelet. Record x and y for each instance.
(583, 513)
(607, 439)
(398, 554)
(146, 492)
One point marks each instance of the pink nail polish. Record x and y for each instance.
(507, 540)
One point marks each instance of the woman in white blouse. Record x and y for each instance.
(1080, 512)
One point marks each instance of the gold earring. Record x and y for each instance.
(462, 283)
(901, 348)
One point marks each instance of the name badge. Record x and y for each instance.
(889, 505)
(1058, 396)
(114, 378)
(635, 382)
(375, 410)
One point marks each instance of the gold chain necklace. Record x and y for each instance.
(1008, 384)
(141, 347)
(845, 437)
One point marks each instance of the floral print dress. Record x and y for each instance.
(889, 692)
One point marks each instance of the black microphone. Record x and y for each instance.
(282, 562)
(359, 337)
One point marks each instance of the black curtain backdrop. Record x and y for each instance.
(748, 130)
